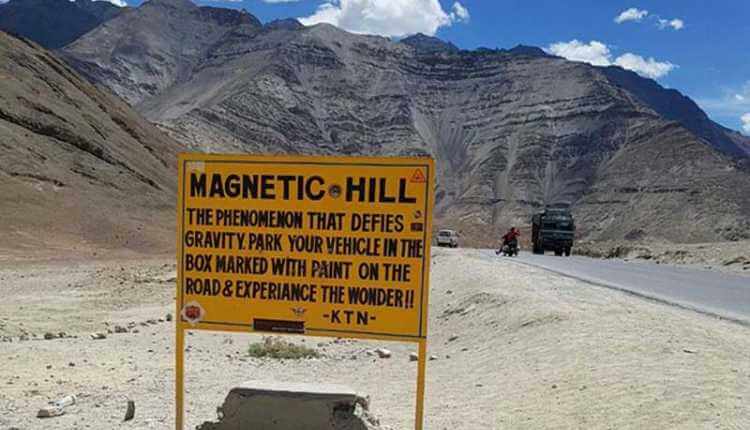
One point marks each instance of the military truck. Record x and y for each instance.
(553, 230)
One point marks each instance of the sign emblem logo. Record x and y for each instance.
(193, 312)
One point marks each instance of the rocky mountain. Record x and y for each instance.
(672, 105)
(80, 171)
(429, 45)
(511, 130)
(155, 46)
(54, 23)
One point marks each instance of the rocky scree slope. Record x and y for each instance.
(511, 130)
(79, 169)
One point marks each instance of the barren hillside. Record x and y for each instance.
(80, 170)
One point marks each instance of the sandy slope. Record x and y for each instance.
(533, 351)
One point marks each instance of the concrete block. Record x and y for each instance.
(292, 406)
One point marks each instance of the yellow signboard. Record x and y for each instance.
(322, 246)
(319, 246)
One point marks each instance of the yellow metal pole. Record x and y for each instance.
(421, 367)
(179, 375)
(179, 335)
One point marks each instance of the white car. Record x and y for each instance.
(447, 238)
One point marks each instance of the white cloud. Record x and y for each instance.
(741, 96)
(733, 102)
(598, 54)
(746, 123)
(676, 24)
(594, 52)
(632, 14)
(646, 67)
(637, 15)
(387, 17)
(460, 13)
(731, 106)
(119, 3)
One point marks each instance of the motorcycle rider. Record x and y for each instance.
(510, 238)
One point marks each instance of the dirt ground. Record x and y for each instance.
(515, 347)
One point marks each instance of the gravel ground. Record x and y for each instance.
(514, 347)
(731, 257)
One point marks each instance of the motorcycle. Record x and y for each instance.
(509, 249)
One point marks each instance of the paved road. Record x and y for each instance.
(715, 293)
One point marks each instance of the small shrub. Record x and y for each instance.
(274, 347)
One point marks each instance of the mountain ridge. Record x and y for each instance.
(54, 23)
(511, 130)
(156, 49)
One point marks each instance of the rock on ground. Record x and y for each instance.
(284, 406)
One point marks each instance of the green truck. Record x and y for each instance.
(553, 230)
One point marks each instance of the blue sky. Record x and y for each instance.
(699, 47)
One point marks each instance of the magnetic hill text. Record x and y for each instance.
(297, 187)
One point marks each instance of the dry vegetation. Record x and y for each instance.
(276, 347)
